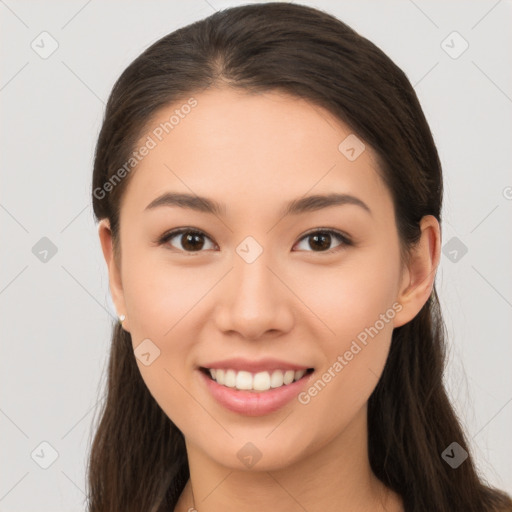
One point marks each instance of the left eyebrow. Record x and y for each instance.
(317, 202)
(294, 207)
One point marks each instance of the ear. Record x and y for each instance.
(114, 272)
(419, 275)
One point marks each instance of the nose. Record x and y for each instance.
(253, 301)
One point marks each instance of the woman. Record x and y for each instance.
(269, 197)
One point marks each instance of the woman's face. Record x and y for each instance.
(261, 284)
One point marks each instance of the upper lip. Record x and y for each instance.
(251, 365)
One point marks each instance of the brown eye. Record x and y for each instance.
(320, 241)
(190, 240)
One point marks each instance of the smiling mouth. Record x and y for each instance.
(258, 382)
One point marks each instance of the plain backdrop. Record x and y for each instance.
(55, 307)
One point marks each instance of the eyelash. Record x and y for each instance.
(345, 241)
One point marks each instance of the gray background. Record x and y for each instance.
(56, 310)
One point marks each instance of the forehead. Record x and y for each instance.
(239, 146)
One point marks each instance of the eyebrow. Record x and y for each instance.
(294, 207)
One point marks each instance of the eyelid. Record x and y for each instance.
(342, 237)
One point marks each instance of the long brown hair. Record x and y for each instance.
(138, 459)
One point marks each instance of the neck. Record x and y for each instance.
(334, 477)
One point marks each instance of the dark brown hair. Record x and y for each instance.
(138, 459)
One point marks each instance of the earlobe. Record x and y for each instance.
(419, 276)
(114, 273)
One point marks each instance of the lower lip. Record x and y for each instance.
(255, 403)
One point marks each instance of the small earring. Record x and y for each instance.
(122, 318)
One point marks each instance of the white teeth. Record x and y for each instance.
(299, 374)
(219, 375)
(243, 380)
(276, 380)
(230, 378)
(289, 376)
(261, 381)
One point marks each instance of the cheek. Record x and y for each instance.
(352, 296)
(162, 301)
(160, 294)
(353, 362)
(357, 304)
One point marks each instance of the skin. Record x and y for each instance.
(295, 302)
